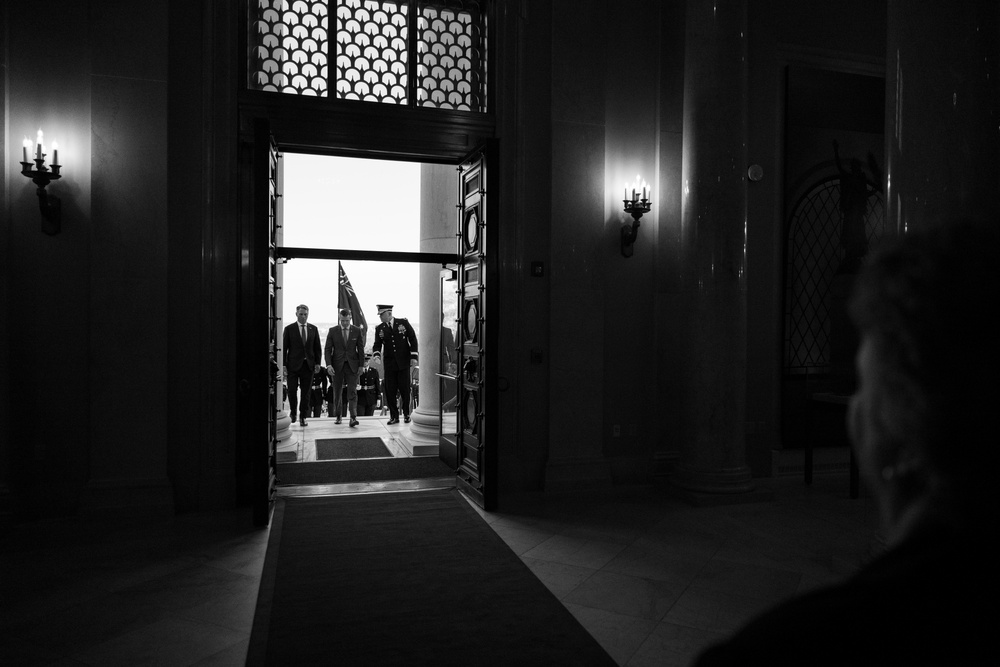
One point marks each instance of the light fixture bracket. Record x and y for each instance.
(48, 204)
(635, 208)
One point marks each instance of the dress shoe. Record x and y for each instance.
(406, 418)
(354, 422)
(338, 421)
(394, 420)
(302, 422)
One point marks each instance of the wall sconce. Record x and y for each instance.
(634, 206)
(41, 175)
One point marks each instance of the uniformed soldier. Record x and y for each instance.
(320, 390)
(399, 339)
(369, 388)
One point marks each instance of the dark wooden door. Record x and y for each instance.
(477, 362)
(448, 368)
(262, 380)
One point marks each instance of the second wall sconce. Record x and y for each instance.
(41, 175)
(635, 205)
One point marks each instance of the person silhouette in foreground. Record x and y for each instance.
(923, 428)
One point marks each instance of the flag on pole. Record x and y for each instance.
(348, 298)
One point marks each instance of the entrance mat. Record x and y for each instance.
(286, 457)
(404, 579)
(351, 448)
(363, 470)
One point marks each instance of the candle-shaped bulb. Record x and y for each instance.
(25, 149)
(55, 152)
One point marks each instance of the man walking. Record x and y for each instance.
(344, 352)
(300, 359)
(400, 343)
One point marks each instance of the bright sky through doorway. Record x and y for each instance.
(355, 204)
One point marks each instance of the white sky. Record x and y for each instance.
(354, 204)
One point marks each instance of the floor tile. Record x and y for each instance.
(632, 596)
(575, 551)
(560, 578)
(671, 645)
(619, 634)
(170, 641)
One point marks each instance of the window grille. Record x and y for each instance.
(372, 51)
(814, 254)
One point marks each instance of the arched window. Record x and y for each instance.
(813, 256)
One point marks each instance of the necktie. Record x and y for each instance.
(303, 328)
(343, 330)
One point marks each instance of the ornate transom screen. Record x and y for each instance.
(418, 53)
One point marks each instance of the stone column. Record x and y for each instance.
(712, 282)
(942, 143)
(438, 196)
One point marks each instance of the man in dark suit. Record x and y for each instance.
(400, 343)
(300, 359)
(368, 388)
(344, 351)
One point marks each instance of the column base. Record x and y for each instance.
(728, 486)
(425, 428)
(283, 427)
(286, 449)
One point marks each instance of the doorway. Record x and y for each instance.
(834, 145)
(467, 225)
(356, 234)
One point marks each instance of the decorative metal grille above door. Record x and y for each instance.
(422, 54)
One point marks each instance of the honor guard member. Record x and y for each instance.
(369, 388)
(320, 390)
(400, 343)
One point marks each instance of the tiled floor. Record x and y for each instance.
(652, 578)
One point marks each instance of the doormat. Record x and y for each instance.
(352, 471)
(287, 457)
(351, 448)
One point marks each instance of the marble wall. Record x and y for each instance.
(87, 306)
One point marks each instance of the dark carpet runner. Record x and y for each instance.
(351, 448)
(404, 578)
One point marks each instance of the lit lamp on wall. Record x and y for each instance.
(636, 203)
(42, 175)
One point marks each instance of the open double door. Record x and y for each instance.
(467, 378)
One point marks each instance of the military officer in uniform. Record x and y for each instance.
(320, 390)
(399, 339)
(369, 387)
